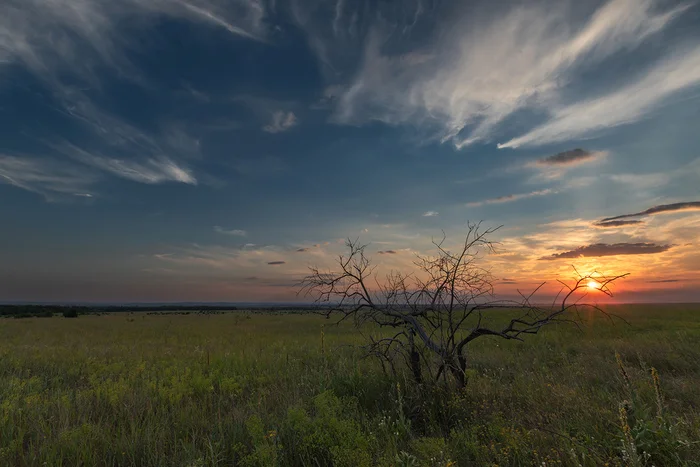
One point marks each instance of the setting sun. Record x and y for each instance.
(593, 285)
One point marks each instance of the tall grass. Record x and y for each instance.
(258, 389)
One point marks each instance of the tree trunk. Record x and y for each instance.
(414, 358)
(458, 369)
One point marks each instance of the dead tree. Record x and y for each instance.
(434, 313)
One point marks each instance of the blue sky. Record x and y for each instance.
(211, 150)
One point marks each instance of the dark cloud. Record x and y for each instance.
(685, 206)
(387, 252)
(664, 281)
(620, 223)
(251, 278)
(309, 248)
(274, 263)
(507, 282)
(604, 249)
(571, 157)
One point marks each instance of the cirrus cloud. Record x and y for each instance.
(71, 36)
(467, 80)
(625, 105)
(511, 198)
(47, 177)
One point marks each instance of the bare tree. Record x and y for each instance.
(434, 313)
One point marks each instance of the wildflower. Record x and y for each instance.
(626, 430)
(629, 449)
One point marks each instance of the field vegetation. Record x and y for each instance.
(257, 389)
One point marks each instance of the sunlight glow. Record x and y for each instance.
(593, 284)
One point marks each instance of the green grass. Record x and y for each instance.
(257, 389)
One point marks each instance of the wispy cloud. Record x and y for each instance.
(151, 170)
(660, 209)
(643, 181)
(70, 36)
(68, 44)
(511, 198)
(471, 77)
(387, 252)
(234, 232)
(47, 177)
(240, 18)
(603, 249)
(195, 94)
(281, 121)
(430, 214)
(626, 105)
(117, 147)
(230, 264)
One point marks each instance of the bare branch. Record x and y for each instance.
(438, 310)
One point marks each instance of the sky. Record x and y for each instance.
(213, 150)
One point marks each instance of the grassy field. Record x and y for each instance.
(260, 389)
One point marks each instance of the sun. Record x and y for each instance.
(594, 285)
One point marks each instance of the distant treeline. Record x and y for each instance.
(72, 311)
